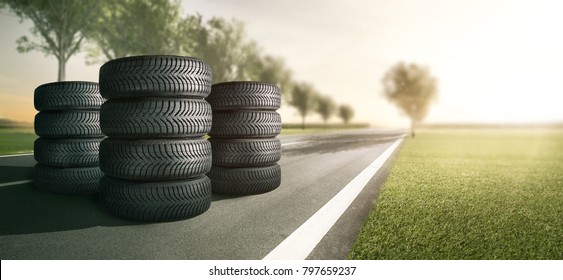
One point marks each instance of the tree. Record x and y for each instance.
(346, 113)
(132, 27)
(303, 98)
(412, 88)
(59, 25)
(273, 70)
(224, 46)
(193, 35)
(325, 107)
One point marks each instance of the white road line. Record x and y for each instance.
(15, 183)
(303, 240)
(16, 155)
(390, 137)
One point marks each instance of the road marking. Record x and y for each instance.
(299, 244)
(17, 155)
(390, 137)
(15, 183)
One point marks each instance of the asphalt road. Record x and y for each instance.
(38, 225)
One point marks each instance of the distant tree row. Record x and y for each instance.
(108, 29)
(306, 99)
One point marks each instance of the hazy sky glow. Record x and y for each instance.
(496, 61)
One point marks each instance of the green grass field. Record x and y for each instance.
(16, 140)
(470, 194)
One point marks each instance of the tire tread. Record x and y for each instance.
(155, 201)
(245, 181)
(155, 160)
(244, 96)
(67, 152)
(143, 76)
(81, 180)
(155, 118)
(245, 124)
(68, 124)
(245, 152)
(67, 96)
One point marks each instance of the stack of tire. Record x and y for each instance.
(155, 158)
(68, 126)
(243, 138)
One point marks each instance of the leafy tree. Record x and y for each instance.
(273, 70)
(232, 56)
(412, 88)
(193, 35)
(325, 107)
(303, 98)
(132, 27)
(346, 113)
(224, 46)
(58, 25)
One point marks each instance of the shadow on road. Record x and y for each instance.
(23, 210)
(15, 173)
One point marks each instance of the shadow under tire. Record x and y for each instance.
(245, 181)
(68, 124)
(155, 75)
(155, 118)
(155, 201)
(67, 152)
(79, 180)
(245, 152)
(244, 96)
(245, 124)
(155, 160)
(68, 95)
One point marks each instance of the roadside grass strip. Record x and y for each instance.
(15, 141)
(470, 194)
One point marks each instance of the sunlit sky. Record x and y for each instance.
(496, 61)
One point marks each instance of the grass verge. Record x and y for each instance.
(470, 194)
(16, 140)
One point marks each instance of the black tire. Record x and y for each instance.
(155, 75)
(155, 118)
(67, 152)
(245, 124)
(244, 96)
(68, 124)
(155, 160)
(68, 95)
(80, 180)
(245, 152)
(155, 201)
(245, 181)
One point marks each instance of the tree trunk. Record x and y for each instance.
(412, 128)
(62, 70)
